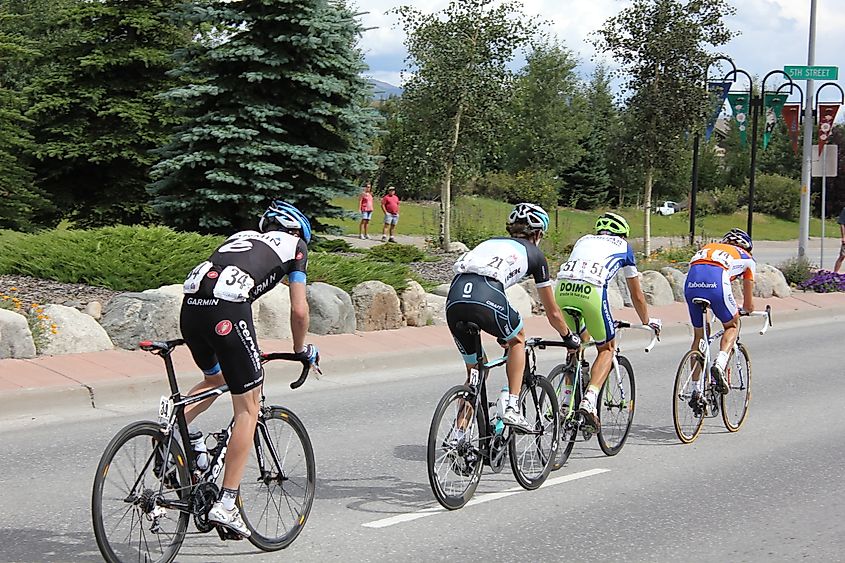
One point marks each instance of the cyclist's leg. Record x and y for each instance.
(599, 322)
(572, 295)
(694, 288)
(727, 312)
(194, 322)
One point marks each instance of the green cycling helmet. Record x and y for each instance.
(613, 224)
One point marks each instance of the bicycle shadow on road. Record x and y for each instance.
(32, 544)
(647, 435)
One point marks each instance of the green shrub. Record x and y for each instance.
(322, 244)
(345, 272)
(797, 270)
(526, 185)
(777, 195)
(396, 253)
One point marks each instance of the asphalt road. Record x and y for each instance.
(772, 492)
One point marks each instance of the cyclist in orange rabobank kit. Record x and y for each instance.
(711, 271)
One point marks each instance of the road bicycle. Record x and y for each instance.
(689, 412)
(466, 434)
(616, 399)
(147, 486)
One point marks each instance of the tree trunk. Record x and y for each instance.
(649, 180)
(446, 186)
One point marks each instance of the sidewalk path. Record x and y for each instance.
(94, 379)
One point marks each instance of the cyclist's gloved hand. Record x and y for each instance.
(502, 342)
(310, 353)
(655, 324)
(572, 341)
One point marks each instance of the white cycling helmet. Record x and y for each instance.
(533, 215)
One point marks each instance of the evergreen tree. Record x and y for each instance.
(93, 98)
(278, 109)
(588, 182)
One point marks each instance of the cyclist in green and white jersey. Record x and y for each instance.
(582, 283)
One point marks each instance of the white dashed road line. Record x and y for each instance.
(480, 499)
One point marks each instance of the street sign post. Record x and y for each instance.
(806, 72)
(824, 167)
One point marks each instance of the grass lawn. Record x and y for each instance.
(486, 215)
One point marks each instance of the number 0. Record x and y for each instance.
(468, 288)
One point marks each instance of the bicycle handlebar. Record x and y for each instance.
(292, 357)
(767, 313)
(655, 336)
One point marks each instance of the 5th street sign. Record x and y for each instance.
(797, 72)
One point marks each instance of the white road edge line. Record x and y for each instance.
(400, 518)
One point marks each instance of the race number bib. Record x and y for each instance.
(192, 282)
(233, 284)
(719, 257)
(583, 270)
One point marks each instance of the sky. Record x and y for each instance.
(774, 33)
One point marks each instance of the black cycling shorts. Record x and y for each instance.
(222, 332)
(480, 300)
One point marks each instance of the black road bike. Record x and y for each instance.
(147, 486)
(465, 435)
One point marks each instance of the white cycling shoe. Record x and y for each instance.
(516, 420)
(230, 519)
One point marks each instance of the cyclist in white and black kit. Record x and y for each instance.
(477, 295)
(216, 323)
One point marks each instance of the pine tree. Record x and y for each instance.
(94, 101)
(279, 109)
(588, 183)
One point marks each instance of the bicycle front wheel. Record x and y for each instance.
(277, 489)
(688, 415)
(454, 458)
(616, 402)
(533, 454)
(567, 432)
(137, 495)
(735, 403)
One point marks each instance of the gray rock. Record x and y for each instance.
(174, 289)
(376, 306)
(614, 297)
(435, 309)
(677, 281)
(73, 303)
(412, 303)
(530, 287)
(442, 290)
(76, 332)
(271, 313)
(129, 318)
(94, 309)
(457, 246)
(331, 309)
(656, 288)
(520, 300)
(15, 336)
(771, 279)
(622, 287)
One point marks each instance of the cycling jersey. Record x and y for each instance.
(248, 265)
(711, 270)
(507, 260)
(583, 278)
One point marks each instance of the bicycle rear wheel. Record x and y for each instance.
(454, 458)
(616, 403)
(134, 493)
(735, 403)
(532, 455)
(277, 489)
(688, 416)
(567, 432)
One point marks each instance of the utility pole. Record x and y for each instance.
(807, 160)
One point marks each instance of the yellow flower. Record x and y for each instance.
(13, 289)
(42, 317)
(5, 298)
(53, 326)
(54, 331)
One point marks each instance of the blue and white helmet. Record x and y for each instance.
(287, 216)
(534, 215)
(738, 237)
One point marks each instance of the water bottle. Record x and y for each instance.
(501, 405)
(200, 449)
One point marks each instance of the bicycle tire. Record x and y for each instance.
(616, 406)
(463, 459)
(129, 458)
(738, 373)
(688, 422)
(567, 431)
(275, 499)
(532, 455)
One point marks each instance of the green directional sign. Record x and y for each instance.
(798, 72)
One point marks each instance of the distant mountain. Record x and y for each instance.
(383, 90)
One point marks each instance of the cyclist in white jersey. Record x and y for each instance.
(582, 284)
(477, 295)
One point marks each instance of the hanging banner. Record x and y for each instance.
(718, 93)
(792, 118)
(772, 106)
(827, 113)
(739, 106)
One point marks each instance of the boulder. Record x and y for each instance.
(331, 309)
(769, 280)
(94, 309)
(376, 306)
(174, 289)
(520, 300)
(531, 288)
(442, 290)
(271, 313)
(677, 281)
(622, 287)
(131, 317)
(15, 336)
(656, 288)
(614, 297)
(457, 246)
(412, 303)
(435, 306)
(76, 332)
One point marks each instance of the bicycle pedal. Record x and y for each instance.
(227, 534)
